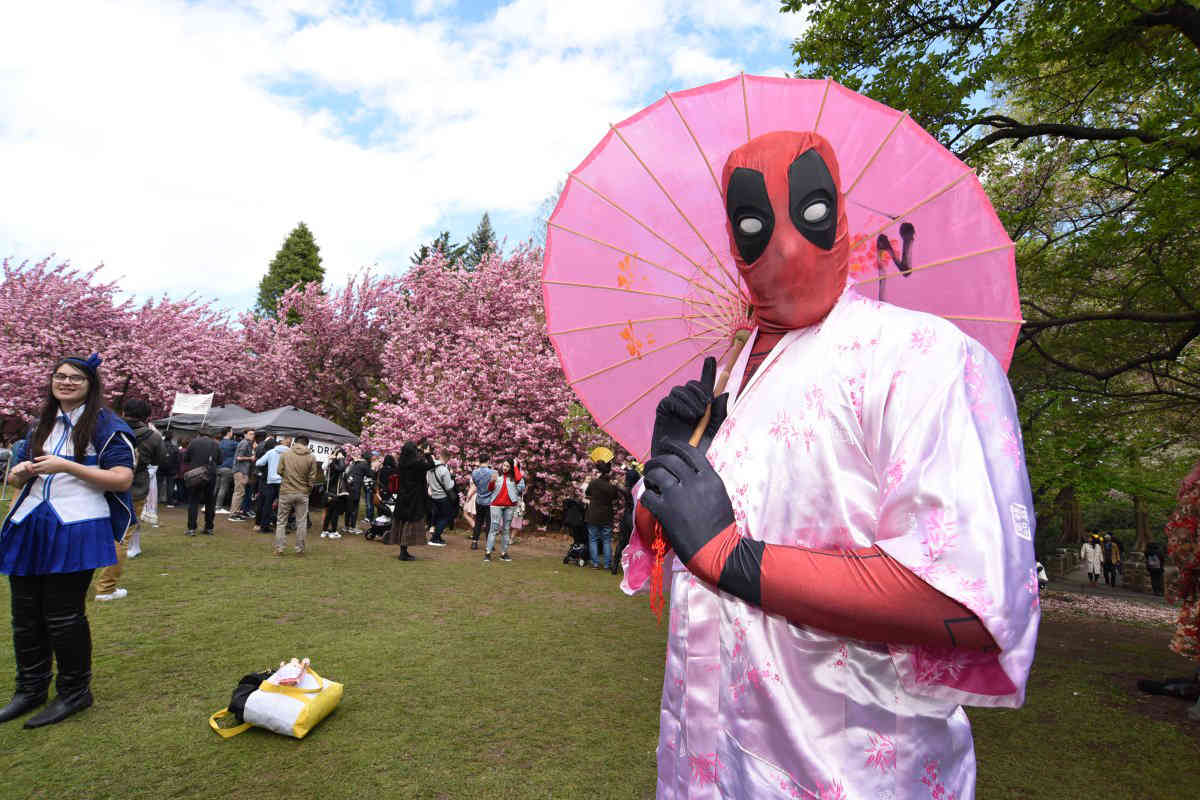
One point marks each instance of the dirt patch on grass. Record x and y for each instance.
(1122, 654)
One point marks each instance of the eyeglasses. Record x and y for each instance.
(74, 380)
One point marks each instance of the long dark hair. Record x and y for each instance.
(85, 428)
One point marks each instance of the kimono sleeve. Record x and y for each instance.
(956, 510)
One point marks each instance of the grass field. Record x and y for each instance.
(521, 680)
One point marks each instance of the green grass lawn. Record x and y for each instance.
(527, 679)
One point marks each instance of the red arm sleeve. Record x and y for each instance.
(862, 594)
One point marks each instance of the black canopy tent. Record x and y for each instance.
(282, 421)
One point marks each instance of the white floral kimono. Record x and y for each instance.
(882, 426)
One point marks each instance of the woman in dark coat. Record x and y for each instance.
(412, 500)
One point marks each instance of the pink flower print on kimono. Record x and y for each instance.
(823, 791)
(881, 752)
(856, 345)
(976, 597)
(923, 340)
(937, 791)
(788, 431)
(1011, 443)
(940, 537)
(743, 675)
(854, 393)
(842, 660)
(893, 476)
(980, 406)
(704, 768)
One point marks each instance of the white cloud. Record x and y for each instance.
(154, 137)
(696, 66)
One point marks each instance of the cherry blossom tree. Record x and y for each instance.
(470, 367)
(322, 351)
(51, 310)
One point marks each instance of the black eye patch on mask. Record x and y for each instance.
(749, 210)
(812, 199)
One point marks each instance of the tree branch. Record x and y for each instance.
(1181, 16)
(1169, 354)
(1035, 326)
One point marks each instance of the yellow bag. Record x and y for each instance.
(288, 710)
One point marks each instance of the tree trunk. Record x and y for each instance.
(1072, 517)
(1141, 523)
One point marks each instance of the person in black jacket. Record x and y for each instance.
(203, 451)
(625, 529)
(167, 472)
(412, 500)
(356, 477)
(151, 452)
(337, 492)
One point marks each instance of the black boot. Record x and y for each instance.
(72, 642)
(32, 648)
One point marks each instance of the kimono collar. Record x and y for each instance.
(847, 296)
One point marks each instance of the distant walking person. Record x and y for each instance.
(243, 461)
(483, 478)
(225, 468)
(1155, 568)
(1092, 558)
(297, 473)
(601, 495)
(357, 477)
(509, 485)
(203, 452)
(1112, 560)
(337, 494)
(441, 492)
(270, 492)
(411, 500)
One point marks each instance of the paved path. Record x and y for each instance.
(1077, 582)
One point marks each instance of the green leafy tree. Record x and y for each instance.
(1082, 119)
(481, 244)
(298, 262)
(452, 252)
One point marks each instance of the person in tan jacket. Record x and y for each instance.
(297, 472)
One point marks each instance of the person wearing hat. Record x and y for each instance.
(73, 508)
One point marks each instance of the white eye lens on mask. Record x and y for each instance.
(750, 225)
(815, 212)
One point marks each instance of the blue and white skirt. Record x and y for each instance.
(42, 544)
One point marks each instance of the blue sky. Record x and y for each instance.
(178, 142)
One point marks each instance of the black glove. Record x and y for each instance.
(687, 497)
(677, 413)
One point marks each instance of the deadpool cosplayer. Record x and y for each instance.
(852, 536)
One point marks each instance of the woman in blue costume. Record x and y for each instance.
(74, 506)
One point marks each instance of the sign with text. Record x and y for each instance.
(322, 451)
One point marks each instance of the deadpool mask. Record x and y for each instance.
(787, 226)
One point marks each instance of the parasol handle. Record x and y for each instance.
(740, 338)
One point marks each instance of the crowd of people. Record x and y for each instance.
(405, 498)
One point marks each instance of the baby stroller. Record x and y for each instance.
(381, 523)
(573, 520)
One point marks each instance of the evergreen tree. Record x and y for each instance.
(481, 244)
(442, 244)
(298, 261)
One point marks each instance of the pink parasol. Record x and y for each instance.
(638, 282)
